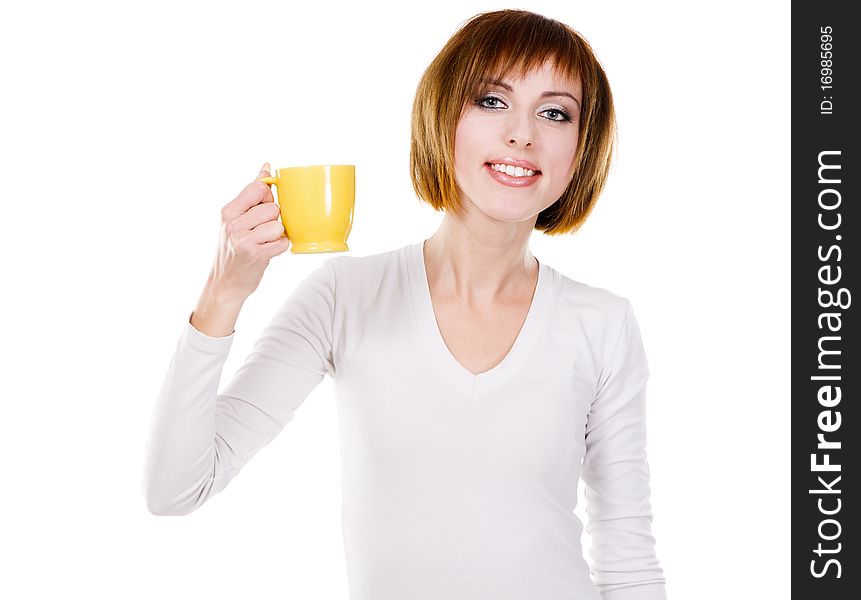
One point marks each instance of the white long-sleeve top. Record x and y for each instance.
(455, 485)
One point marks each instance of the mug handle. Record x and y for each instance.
(271, 180)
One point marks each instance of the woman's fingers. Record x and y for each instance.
(253, 194)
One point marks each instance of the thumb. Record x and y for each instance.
(264, 170)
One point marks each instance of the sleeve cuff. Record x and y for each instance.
(648, 591)
(205, 343)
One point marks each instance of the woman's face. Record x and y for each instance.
(531, 120)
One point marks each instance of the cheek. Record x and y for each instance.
(461, 133)
(566, 164)
(469, 140)
(565, 154)
(571, 142)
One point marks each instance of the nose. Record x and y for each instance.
(521, 131)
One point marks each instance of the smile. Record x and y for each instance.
(513, 180)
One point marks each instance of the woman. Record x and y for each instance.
(473, 381)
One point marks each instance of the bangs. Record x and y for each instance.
(515, 45)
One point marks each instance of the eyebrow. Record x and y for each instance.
(549, 94)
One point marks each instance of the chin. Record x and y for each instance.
(512, 214)
(510, 210)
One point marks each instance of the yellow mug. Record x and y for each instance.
(316, 206)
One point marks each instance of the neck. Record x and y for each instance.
(480, 267)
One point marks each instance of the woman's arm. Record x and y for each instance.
(616, 473)
(199, 439)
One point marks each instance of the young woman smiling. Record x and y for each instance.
(475, 384)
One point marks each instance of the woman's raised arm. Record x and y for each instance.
(199, 439)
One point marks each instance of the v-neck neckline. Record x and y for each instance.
(470, 384)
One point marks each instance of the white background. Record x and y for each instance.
(125, 127)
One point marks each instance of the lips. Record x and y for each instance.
(510, 180)
(515, 162)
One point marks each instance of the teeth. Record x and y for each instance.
(513, 171)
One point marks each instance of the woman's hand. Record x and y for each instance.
(251, 235)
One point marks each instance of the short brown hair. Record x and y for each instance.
(492, 45)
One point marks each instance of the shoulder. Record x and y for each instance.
(604, 318)
(369, 281)
(596, 305)
(593, 315)
(364, 271)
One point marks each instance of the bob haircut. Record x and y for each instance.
(492, 45)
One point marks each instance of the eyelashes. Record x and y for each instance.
(565, 117)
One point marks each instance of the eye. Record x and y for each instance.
(480, 102)
(563, 116)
